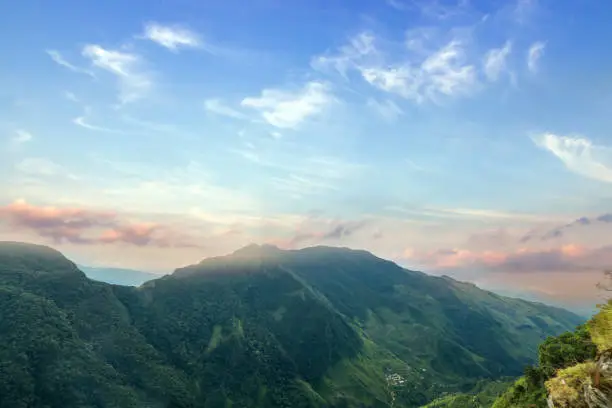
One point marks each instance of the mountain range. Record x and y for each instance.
(118, 276)
(261, 327)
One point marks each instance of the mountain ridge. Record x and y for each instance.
(317, 327)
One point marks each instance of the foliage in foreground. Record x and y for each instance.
(569, 366)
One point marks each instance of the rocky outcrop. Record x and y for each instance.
(585, 385)
(598, 394)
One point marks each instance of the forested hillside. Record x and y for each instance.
(319, 327)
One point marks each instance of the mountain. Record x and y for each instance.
(535, 296)
(118, 276)
(262, 327)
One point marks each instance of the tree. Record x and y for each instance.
(607, 286)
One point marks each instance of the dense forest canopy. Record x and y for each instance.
(319, 327)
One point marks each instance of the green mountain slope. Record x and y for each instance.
(320, 327)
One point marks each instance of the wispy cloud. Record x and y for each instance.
(443, 73)
(523, 9)
(534, 54)
(494, 63)
(432, 9)
(468, 213)
(172, 37)
(299, 185)
(387, 108)
(127, 67)
(39, 166)
(560, 231)
(22, 136)
(71, 97)
(579, 155)
(175, 189)
(426, 74)
(83, 122)
(217, 107)
(299, 175)
(288, 109)
(60, 60)
(359, 51)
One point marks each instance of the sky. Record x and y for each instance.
(462, 137)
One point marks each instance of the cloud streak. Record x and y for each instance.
(579, 155)
(60, 60)
(134, 83)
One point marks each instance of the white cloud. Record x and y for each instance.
(288, 109)
(134, 83)
(355, 53)
(276, 135)
(82, 122)
(21, 136)
(218, 108)
(495, 61)
(420, 73)
(443, 73)
(60, 60)
(171, 37)
(387, 109)
(534, 54)
(579, 155)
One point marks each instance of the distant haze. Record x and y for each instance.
(118, 276)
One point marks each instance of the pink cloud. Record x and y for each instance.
(565, 257)
(88, 226)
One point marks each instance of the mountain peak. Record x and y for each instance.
(23, 248)
(21, 257)
(257, 250)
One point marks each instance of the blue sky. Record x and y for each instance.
(408, 127)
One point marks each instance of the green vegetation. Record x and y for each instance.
(600, 327)
(320, 327)
(566, 364)
(482, 396)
